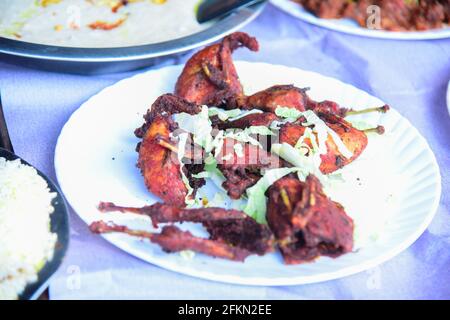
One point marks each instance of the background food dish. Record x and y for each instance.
(106, 60)
(60, 225)
(351, 27)
(112, 151)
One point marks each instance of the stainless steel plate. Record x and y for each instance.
(108, 60)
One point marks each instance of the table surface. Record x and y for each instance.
(411, 76)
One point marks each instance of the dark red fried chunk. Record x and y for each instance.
(306, 223)
(158, 160)
(160, 166)
(172, 239)
(210, 77)
(288, 96)
(191, 169)
(165, 106)
(280, 95)
(244, 233)
(326, 106)
(232, 227)
(163, 213)
(255, 119)
(243, 172)
(238, 179)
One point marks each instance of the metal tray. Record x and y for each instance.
(109, 60)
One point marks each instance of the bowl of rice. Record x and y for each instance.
(33, 229)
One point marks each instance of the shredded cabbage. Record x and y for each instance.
(242, 136)
(239, 150)
(230, 115)
(361, 124)
(302, 145)
(244, 114)
(181, 148)
(201, 175)
(227, 157)
(223, 114)
(306, 164)
(320, 128)
(198, 125)
(323, 131)
(218, 200)
(215, 174)
(262, 130)
(187, 255)
(288, 113)
(304, 157)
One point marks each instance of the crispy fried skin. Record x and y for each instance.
(228, 226)
(291, 132)
(209, 77)
(243, 233)
(160, 166)
(164, 213)
(255, 119)
(327, 106)
(239, 179)
(165, 106)
(354, 139)
(243, 172)
(306, 223)
(280, 95)
(172, 239)
(288, 96)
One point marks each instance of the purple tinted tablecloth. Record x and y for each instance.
(411, 76)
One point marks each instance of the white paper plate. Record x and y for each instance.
(95, 161)
(351, 27)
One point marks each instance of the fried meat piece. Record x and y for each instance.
(172, 239)
(243, 170)
(160, 166)
(165, 106)
(254, 119)
(288, 96)
(306, 223)
(210, 77)
(231, 227)
(157, 160)
(270, 99)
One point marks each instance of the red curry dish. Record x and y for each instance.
(396, 15)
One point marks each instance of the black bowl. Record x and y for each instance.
(59, 221)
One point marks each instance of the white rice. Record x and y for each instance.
(26, 242)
